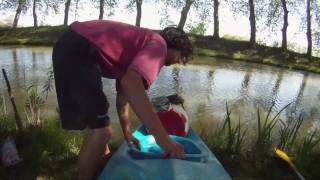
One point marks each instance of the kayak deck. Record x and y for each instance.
(130, 163)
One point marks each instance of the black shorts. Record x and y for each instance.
(82, 102)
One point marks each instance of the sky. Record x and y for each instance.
(229, 25)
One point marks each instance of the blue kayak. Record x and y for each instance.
(147, 164)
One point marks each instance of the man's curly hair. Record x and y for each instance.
(176, 38)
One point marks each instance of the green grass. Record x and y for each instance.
(44, 35)
(46, 151)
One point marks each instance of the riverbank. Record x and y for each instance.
(224, 49)
(49, 152)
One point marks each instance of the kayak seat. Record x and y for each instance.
(151, 150)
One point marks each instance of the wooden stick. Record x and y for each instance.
(16, 114)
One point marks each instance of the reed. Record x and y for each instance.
(235, 135)
(3, 106)
(5, 124)
(289, 132)
(309, 143)
(49, 83)
(265, 129)
(33, 105)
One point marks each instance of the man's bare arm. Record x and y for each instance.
(133, 89)
(123, 112)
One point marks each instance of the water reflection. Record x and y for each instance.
(206, 89)
(16, 69)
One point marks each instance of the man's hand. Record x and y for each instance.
(172, 149)
(131, 139)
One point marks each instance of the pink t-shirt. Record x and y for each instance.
(124, 46)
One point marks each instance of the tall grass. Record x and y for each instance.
(5, 124)
(235, 136)
(308, 145)
(49, 84)
(265, 129)
(3, 106)
(289, 132)
(307, 156)
(230, 141)
(33, 105)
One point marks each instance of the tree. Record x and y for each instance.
(216, 19)
(138, 5)
(43, 6)
(275, 10)
(101, 9)
(201, 6)
(316, 9)
(309, 31)
(285, 25)
(66, 12)
(34, 13)
(102, 4)
(252, 19)
(251, 9)
(184, 13)
(310, 22)
(20, 6)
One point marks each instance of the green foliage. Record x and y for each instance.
(44, 35)
(12, 4)
(199, 29)
(131, 4)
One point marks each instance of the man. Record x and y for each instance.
(131, 55)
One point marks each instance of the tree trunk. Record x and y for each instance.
(34, 13)
(216, 19)
(252, 20)
(184, 13)
(138, 18)
(17, 16)
(101, 9)
(285, 25)
(309, 37)
(66, 12)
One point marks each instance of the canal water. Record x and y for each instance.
(206, 89)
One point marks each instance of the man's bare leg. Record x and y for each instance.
(93, 151)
